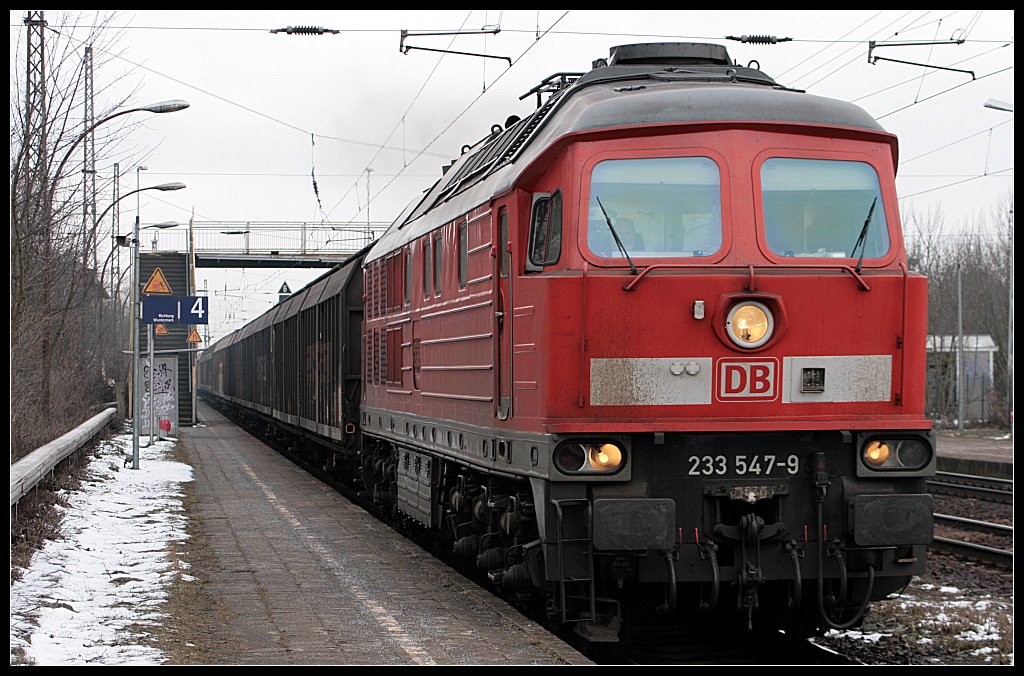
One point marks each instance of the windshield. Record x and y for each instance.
(817, 208)
(665, 207)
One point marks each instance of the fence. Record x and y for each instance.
(249, 237)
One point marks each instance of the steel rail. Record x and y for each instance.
(966, 485)
(976, 480)
(974, 525)
(976, 552)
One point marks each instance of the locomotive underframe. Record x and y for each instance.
(655, 526)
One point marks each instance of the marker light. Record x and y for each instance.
(897, 454)
(749, 324)
(588, 458)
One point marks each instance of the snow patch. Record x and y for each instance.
(85, 598)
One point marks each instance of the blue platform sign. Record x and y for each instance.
(175, 310)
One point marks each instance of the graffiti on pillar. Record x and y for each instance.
(159, 391)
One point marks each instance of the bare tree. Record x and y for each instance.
(981, 254)
(67, 332)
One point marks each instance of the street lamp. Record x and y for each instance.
(162, 107)
(996, 104)
(122, 240)
(163, 186)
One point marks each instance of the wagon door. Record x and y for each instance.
(503, 316)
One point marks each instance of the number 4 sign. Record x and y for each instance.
(175, 310)
(197, 312)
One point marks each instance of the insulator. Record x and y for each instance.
(304, 30)
(759, 39)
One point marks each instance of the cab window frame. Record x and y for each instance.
(540, 252)
(882, 216)
(723, 206)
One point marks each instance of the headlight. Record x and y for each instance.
(896, 454)
(605, 458)
(876, 453)
(588, 458)
(749, 324)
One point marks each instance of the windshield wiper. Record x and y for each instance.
(615, 235)
(862, 241)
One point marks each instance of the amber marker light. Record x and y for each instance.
(876, 453)
(749, 324)
(605, 458)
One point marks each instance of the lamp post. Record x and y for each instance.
(122, 240)
(161, 107)
(996, 104)
(136, 413)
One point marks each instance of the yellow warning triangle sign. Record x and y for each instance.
(193, 337)
(157, 283)
(160, 330)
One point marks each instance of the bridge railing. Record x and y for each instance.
(265, 237)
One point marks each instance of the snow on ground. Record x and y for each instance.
(88, 597)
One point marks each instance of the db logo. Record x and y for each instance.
(747, 380)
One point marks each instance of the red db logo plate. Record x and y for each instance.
(743, 380)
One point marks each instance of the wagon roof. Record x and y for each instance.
(323, 286)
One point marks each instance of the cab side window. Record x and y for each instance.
(545, 231)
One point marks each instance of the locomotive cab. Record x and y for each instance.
(716, 271)
(654, 351)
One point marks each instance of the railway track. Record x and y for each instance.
(969, 486)
(974, 539)
(973, 551)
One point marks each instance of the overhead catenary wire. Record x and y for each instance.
(611, 34)
(950, 185)
(944, 91)
(473, 102)
(846, 51)
(401, 123)
(241, 105)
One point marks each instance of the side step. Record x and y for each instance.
(575, 543)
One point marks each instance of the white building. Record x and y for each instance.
(979, 371)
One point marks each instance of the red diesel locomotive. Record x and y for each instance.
(652, 351)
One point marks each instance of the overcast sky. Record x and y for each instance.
(269, 110)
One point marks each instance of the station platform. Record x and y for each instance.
(300, 575)
(984, 452)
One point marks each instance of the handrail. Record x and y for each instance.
(629, 286)
(31, 469)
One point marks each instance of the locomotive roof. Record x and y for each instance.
(653, 84)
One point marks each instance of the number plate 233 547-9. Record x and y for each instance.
(743, 465)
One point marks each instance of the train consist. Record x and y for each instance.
(650, 353)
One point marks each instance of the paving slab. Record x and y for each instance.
(306, 577)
